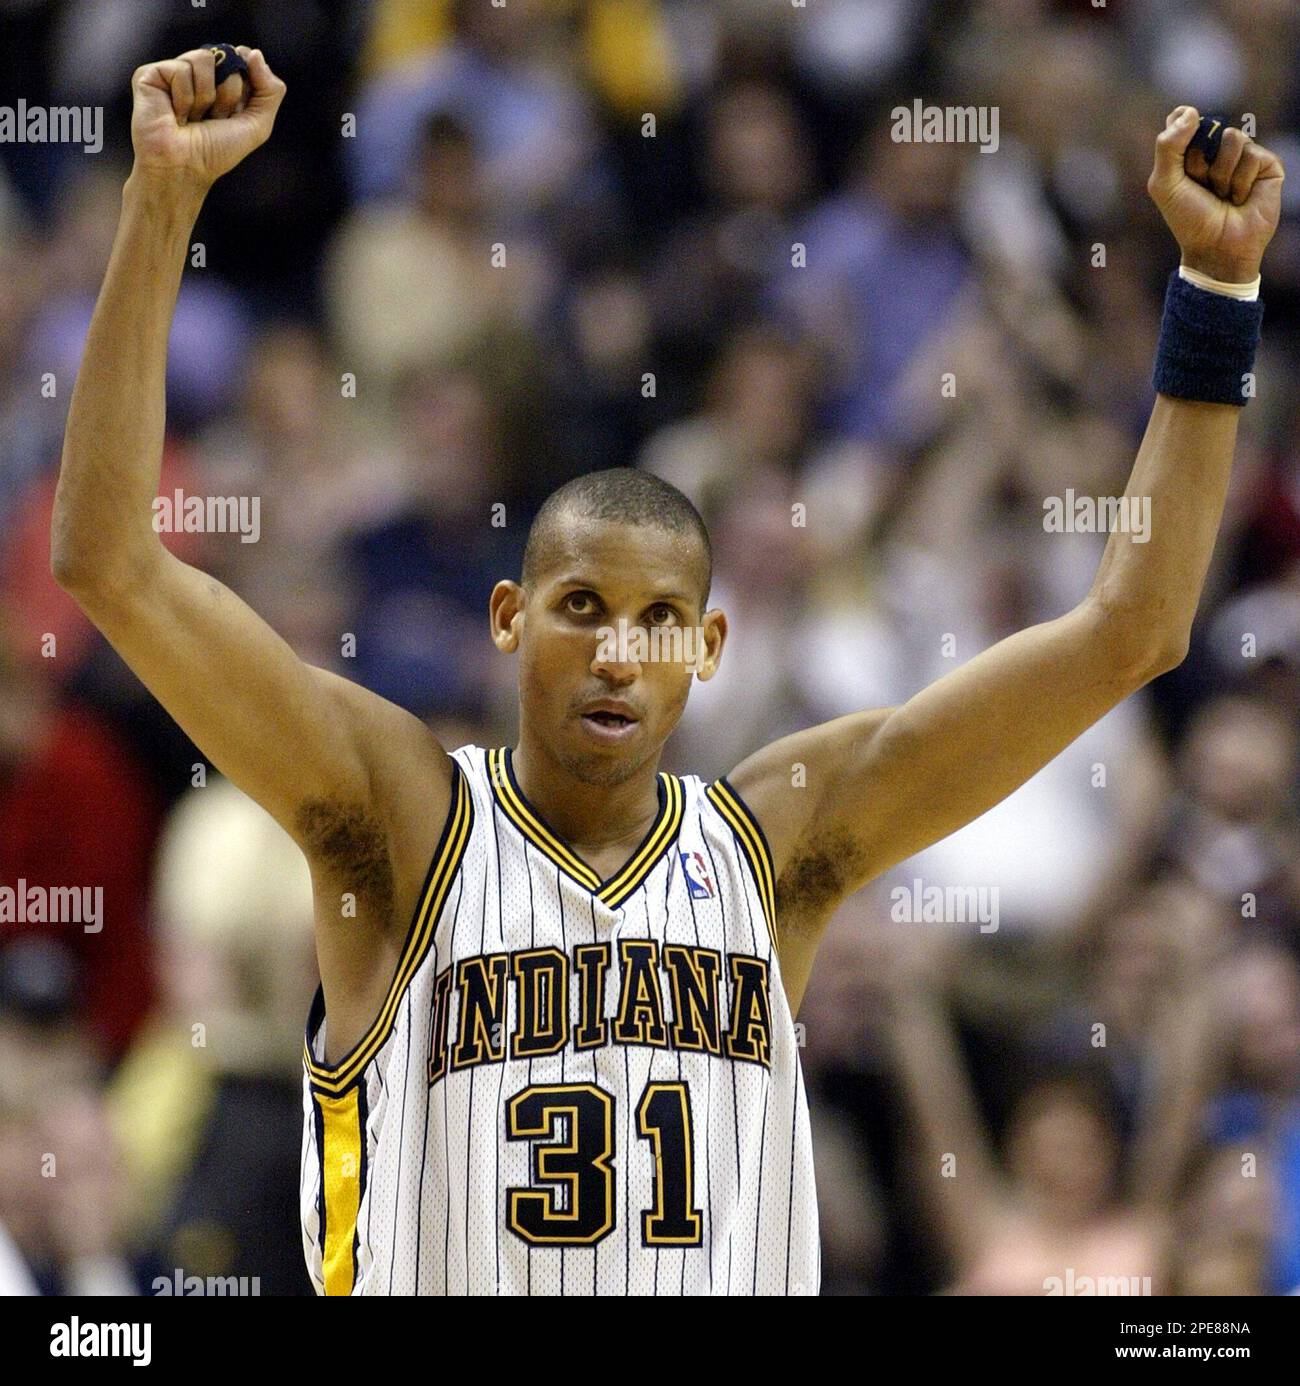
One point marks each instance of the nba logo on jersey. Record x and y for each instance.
(697, 876)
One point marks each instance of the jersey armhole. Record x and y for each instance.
(753, 845)
(447, 855)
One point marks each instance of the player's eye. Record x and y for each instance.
(580, 603)
(661, 614)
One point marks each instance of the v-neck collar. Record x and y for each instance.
(514, 804)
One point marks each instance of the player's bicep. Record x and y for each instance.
(965, 742)
(269, 722)
(790, 786)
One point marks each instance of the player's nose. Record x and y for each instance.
(616, 673)
(616, 659)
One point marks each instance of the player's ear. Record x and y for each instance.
(506, 615)
(713, 635)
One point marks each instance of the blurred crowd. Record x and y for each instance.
(491, 247)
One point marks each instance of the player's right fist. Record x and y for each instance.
(183, 123)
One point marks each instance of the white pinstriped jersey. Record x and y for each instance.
(575, 1086)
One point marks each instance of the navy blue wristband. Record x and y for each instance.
(1207, 344)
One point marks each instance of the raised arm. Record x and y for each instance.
(361, 785)
(1186, 1047)
(882, 785)
(952, 1160)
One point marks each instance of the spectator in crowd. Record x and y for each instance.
(422, 577)
(62, 1182)
(207, 1106)
(501, 77)
(77, 816)
(1255, 1120)
(1056, 1205)
(414, 282)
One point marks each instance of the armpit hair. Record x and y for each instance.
(349, 842)
(816, 879)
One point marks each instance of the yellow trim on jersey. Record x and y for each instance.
(619, 886)
(446, 860)
(753, 843)
(340, 1163)
(531, 826)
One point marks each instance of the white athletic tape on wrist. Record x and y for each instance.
(1246, 292)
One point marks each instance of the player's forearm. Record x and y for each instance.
(1150, 578)
(112, 452)
(1220, 194)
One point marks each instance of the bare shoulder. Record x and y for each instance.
(792, 787)
(788, 783)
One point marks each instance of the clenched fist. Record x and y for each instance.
(1223, 214)
(183, 123)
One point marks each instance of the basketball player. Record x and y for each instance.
(554, 1048)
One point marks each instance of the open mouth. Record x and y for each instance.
(612, 720)
(608, 726)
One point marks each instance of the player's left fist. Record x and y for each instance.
(1223, 214)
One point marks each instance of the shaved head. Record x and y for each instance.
(623, 495)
